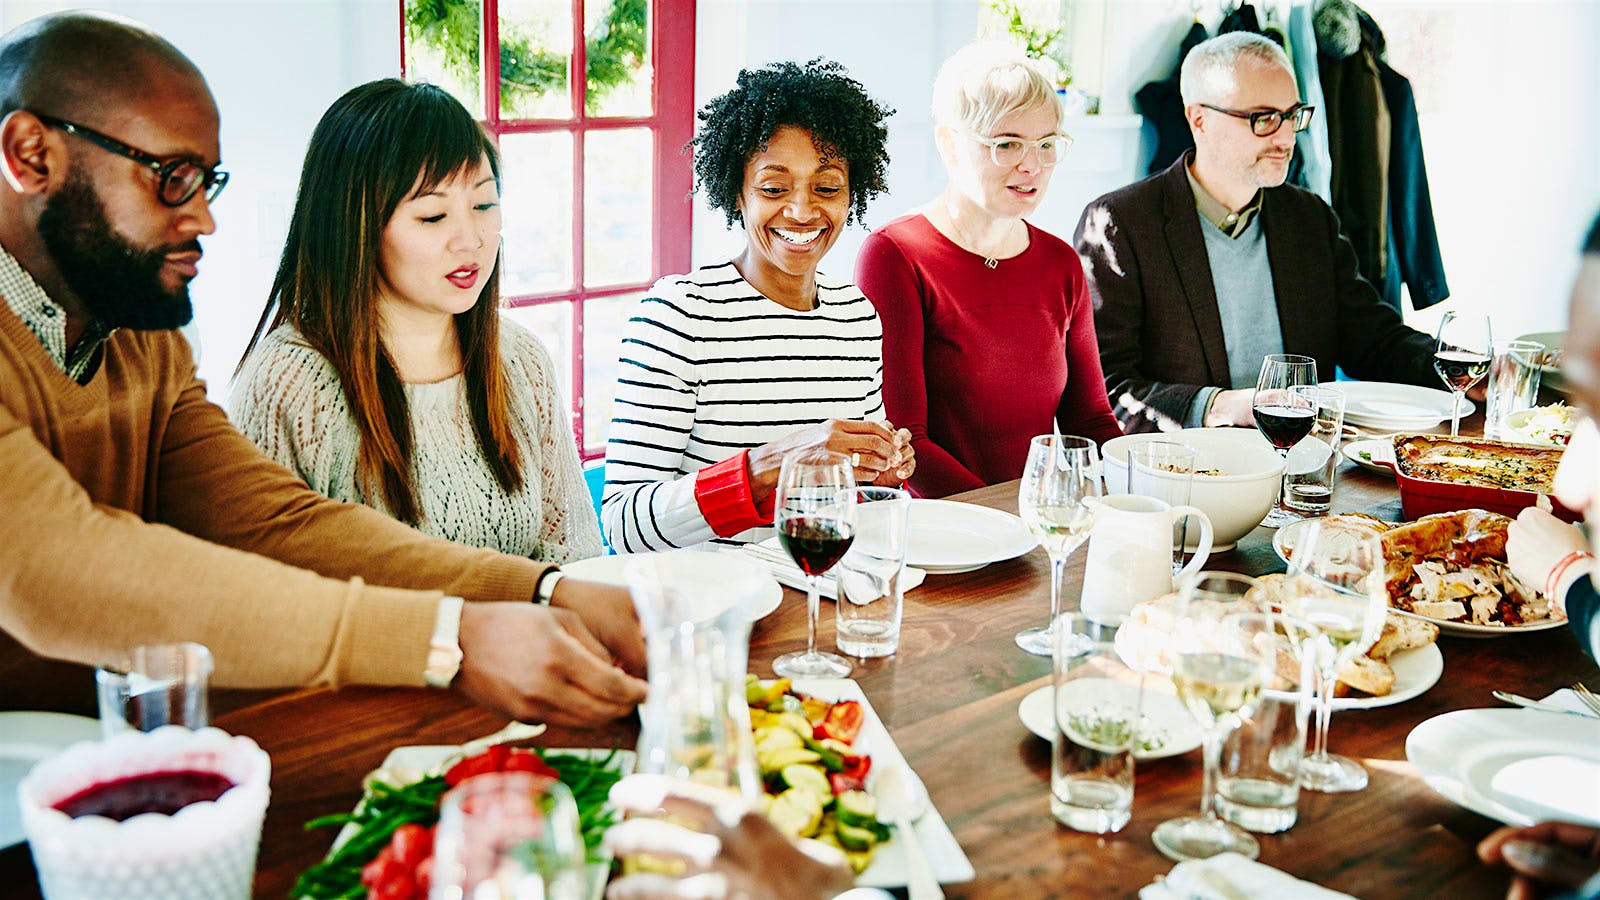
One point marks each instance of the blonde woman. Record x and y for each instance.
(988, 331)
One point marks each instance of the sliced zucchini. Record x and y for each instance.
(858, 809)
(778, 760)
(778, 738)
(808, 778)
(796, 813)
(855, 839)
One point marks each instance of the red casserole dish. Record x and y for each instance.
(1425, 496)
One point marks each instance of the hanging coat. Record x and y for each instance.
(1161, 104)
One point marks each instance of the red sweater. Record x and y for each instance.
(977, 360)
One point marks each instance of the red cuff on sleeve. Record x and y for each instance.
(723, 492)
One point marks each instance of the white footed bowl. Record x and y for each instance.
(1235, 501)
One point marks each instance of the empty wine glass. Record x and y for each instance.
(1337, 583)
(1062, 473)
(509, 836)
(1285, 413)
(1461, 356)
(1218, 669)
(814, 512)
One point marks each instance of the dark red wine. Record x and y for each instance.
(1284, 426)
(1460, 369)
(815, 543)
(156, 792)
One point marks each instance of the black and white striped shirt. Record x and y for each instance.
(709, 367)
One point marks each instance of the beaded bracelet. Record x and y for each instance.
(1559, 571)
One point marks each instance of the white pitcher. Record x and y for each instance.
(1130, 553)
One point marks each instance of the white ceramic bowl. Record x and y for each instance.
(1236, 500)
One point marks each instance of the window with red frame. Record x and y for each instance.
(590, 105)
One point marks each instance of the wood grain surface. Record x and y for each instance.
(949, 698)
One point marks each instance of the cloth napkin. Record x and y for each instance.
(1567, 699)
(1230, 876)
(771, 555)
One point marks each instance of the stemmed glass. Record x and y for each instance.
(1285, 412)
(512, 835)
(1337, 583)
(1062, 473)
(1218, 670)
(815, 517)
(1461, 356)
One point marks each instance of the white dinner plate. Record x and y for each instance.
(1161, 709)
(1415, 671)
(1396, 407)
(608, 570)
(945, 536)
(1369, 453)
(1519, 766)
(888, 868)
(27, 738)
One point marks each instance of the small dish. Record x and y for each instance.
(1161, 708)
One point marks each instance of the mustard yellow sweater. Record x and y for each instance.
(132, 512)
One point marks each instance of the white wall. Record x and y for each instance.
(274, 67)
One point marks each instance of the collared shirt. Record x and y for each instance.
(1227, 221)
(48, 321)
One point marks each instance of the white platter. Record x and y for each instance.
(945, 536)
(25, 739)
(1396, 407)
(1519, 766)
(1375, 450)
(888, 868)
(608, 570)
(1159, 707)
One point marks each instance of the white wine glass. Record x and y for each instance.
(1218, 670)
(814, 512)
(1285, 412)
(1336, 583)
(1461, 356)
(509, 836)
(1060, 478)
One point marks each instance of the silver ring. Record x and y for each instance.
(855, 460)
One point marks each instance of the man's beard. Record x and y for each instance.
(119, 284)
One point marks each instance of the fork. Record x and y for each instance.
(1586, 697)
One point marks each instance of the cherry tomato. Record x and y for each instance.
(528, 761)
(411, 844)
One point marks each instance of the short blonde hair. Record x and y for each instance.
(984, 82)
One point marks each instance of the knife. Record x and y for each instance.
(1529, 703)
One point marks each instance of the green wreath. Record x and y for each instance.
(614, 49)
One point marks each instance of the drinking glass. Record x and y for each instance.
(1513, 384)
(1218, 670)
(1097, 701)
(815, 518)
(1336, 583)
(1284, 415)
(509, 836)
(155, 685)
(871, 576)
(1061, 474)
(1461, 357)
(1258, 787)
(1313, 464)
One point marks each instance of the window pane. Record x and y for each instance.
(535, 50)
(603, 318)
(551, 323)
(442, 47)
(537, 212)
(617, 50)
(617, 206)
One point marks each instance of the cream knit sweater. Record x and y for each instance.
(288, 399)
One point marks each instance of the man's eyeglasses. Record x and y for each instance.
(1007, 152)
(177, 180)
(1266, 123)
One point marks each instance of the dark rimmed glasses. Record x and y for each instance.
(177, 181)
(1007, 152)
(1266, 122)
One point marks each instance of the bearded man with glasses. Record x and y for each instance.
(132, 512)
(1200, 271)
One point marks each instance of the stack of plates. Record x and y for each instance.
(1396, 407)
(945, 536)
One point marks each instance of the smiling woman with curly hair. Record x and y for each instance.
(728, 369)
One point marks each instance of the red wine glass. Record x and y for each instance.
(814, 512)
(1284, 415)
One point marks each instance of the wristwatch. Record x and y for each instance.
(444, 648)
(545, 587)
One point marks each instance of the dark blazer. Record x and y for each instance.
(1156, 309)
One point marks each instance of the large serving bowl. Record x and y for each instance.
(1236, 500)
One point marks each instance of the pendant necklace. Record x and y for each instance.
(988, 261)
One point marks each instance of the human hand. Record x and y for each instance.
(1536, 541)
(537, 663)
(1546, 858)
(872, 443)
(607, 612)
(897, 476)
(1235, 407)
(729, 849)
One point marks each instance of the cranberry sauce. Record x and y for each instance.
(153, 792)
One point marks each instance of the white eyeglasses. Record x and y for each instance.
(1009, 151)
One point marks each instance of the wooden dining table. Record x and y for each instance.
(949, 698)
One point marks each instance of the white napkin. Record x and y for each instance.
(776, 560)
(1233, 877)
(1567, 699)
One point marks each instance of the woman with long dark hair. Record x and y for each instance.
(381, 370)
